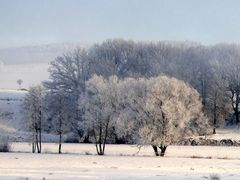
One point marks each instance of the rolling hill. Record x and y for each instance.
(30, 63)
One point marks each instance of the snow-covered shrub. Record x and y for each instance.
(215, 177)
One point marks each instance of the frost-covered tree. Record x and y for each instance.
(176, 112)
(132, 94)
(34, 109)
(60, 113)
(100, 109)
(160, 111)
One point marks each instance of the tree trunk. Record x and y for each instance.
(33, 144)
(214, 130)
(40, 133)
(96, 145)
(60, 132)
(37, 142)
(105, 137)
(99, 149)
(236, 110)
(155, 148)
(235, 104)
(60, 143)
(215, 116)
(237, 114)
(163, 149)
(38, 148)
(40, 141)
(33, 147)
(100, 141)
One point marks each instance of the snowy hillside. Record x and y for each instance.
(30, 63)
(12, 122)
(11, 116)
(31, 74)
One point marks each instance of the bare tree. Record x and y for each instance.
(33, 106)
(68, 74)
(19, 81)
(229, 64)
(219, 104)
(60, 113)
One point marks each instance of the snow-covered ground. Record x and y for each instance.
(79, 161)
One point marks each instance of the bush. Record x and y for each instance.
(5, 145)
(215, 177)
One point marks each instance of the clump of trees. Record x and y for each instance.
(34, 112)
(157, 111)
(91, 92)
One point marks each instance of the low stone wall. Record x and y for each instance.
(210, 142)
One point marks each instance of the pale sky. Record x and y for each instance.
(30, 22)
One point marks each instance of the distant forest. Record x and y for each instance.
(214, 71)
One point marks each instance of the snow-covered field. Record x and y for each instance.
(12, 122)
(11, 117)
(79, 161)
